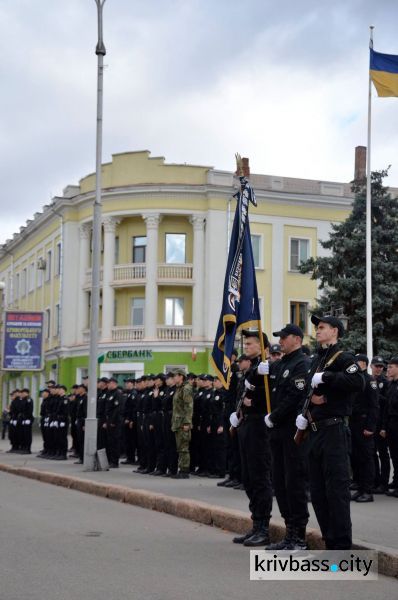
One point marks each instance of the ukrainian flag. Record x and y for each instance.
(384, 73)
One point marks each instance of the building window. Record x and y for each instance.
(299, 253)
(117, 250)
(32, 277)
(23, 282)
(58, 260)
(17, 285)
(139, 249)
(137, 312)
(39, 274)
(175, 248)
(257, 250)
(48, 265)
(174, 311)
(47, 327)
(57, 322)
(299, 314)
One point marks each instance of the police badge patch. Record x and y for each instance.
(373, 385)
(300, 384)
(352, 369)
(285, 373)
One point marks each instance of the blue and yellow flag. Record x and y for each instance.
(384, 73)
(240, 307)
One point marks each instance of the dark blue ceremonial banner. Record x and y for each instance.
(23, 341)
(240, 306)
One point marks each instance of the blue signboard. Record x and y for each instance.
(23, 341)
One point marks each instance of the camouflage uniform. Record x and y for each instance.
(182, 415)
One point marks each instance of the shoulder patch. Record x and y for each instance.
(381, 385)
(299, 384)
(352, 369)
(65, 402)
(116, 402)
(373, 385)
(208, 395)
(285, 373)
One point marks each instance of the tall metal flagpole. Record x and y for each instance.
(90, 439)
(369, 318)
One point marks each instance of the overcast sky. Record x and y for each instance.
(283, 82)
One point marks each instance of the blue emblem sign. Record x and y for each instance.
(23, 341)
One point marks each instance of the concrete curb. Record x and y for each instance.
(235, 521)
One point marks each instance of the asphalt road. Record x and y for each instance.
(60, 544)
(372, 523)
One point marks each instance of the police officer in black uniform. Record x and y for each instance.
(102, 394)
(130, 421)
(113, 414)
(390, 422)
(26, 421)
(171, 455)
(44, 421)
(15, 436)
(81, 415)
(288, 379)
(215, 428)
(382, 455)
(142, 456)
(62, 415)
(254, 445)
(363, 422)
(334, 377)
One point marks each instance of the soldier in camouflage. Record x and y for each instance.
(181, 422)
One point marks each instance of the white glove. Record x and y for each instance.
(263, 368)
(55, 424)
(23, 422)
(62, 424)
(267, 421)
(316, 380)
(13, 423)
(26, 422)
(301, 423)
(248, 385)
(233, 419)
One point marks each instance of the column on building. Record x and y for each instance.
(198, 275)
(82, 317)
(277, 278)
(152, 221)
(108, 293)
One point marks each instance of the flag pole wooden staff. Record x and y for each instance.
(243, 170)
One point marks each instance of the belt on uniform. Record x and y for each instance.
(315, 425)
(247, 417)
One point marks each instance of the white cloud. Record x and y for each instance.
(283, 83)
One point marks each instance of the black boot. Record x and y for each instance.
(260, 536)
(287, 542)
(240, 539)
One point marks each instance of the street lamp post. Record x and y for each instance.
(90, 438)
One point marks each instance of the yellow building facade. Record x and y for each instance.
(163, 256)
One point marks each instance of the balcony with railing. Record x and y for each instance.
(175, 333)
(127, 334)
(129, 274)
(175, 273)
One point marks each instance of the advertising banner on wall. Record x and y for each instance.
(23, 341)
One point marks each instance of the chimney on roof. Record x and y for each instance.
(360, 163)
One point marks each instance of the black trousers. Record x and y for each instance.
(142, 455)
(362, 456)
(194, 446)
(130, 440)
(289, 476)
(329, 472)
(62, 438)
(392, 439)
(149, 443)
(113, 434)
(233, 454)
(26, 436)
(171, 454)
(256, 466)
(160, 442)
(80, 438)
(382, 461)
(217, 451)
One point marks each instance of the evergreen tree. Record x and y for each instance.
(342, 276)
